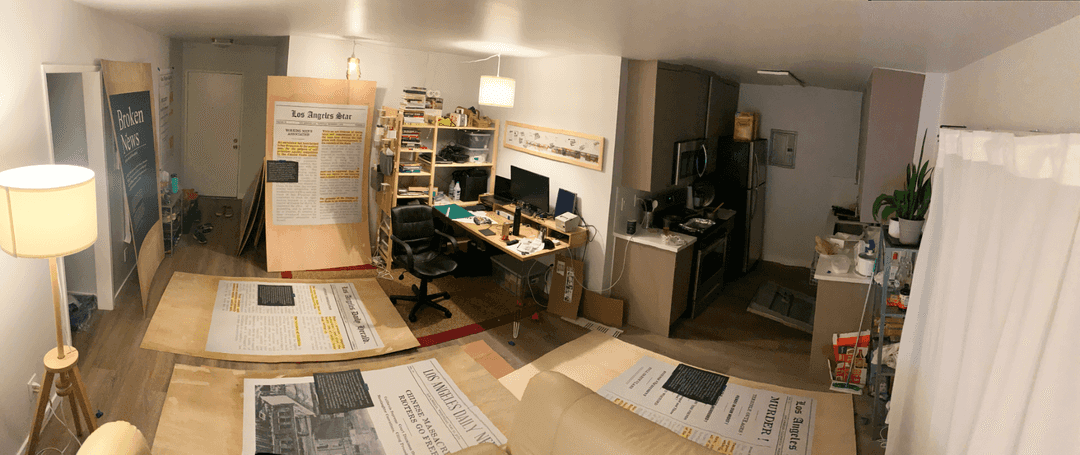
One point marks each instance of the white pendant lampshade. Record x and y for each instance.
(496, 91)
(47, 210)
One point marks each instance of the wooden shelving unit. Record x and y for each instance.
(391, 125)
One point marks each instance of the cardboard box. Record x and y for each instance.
(605, 310)
(565, 297)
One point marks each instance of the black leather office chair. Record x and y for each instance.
(417, 247)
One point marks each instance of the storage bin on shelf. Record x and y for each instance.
(510, 274)
(475, 139)
(477, 155)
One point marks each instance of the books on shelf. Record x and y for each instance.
(410, 167)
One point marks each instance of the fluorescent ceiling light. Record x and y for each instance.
(782, 73)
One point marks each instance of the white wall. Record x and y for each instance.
(576, 93)
(1033, 84)
(255, 63)
(930, 116)
(392, 68)
(798, 200)
(42, 31)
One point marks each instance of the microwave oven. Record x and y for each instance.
(691, 160)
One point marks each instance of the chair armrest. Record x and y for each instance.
(453, 241)
(408, 251)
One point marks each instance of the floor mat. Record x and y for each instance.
(791, 308)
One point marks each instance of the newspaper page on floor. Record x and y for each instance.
(326, 142)
(413, 409)
(275, 318)
(744, 421)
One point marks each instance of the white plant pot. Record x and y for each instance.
(910, 231)
(894, 228)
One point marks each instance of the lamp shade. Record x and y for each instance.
(496, 91)
(47, 210)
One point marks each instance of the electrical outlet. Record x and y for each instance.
(33, 387)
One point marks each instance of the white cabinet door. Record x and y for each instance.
(212, 136)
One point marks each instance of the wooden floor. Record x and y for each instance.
(128, 383)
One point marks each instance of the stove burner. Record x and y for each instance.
(697, 225)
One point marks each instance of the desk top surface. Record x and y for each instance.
(496, 239)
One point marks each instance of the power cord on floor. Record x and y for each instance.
(883, 440)
(585, 250)
(59, 419)
(528, 283)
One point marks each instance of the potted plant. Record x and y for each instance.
(911, 203)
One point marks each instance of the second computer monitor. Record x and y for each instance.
(530, 188)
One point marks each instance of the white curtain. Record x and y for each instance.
(988, 361)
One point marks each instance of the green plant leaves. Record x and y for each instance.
(913, 201)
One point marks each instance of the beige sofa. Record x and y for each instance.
(558, 416)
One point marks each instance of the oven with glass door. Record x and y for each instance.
(710, 256)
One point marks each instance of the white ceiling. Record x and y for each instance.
(827, 43)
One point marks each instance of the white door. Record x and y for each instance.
(212, 132)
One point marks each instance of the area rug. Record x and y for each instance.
(353, 271)
(181, 323)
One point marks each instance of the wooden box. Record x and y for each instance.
(746, 126)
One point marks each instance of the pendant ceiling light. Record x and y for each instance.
(353, 68)
(496, 90)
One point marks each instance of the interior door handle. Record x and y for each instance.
(705, 155)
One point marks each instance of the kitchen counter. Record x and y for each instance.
(823, 272)
(652, 237)
(837, 309)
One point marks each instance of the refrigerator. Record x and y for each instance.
(741, 186)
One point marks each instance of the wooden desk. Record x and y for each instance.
(573, 239)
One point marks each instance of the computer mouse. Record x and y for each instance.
(511, 242)
(548, 244)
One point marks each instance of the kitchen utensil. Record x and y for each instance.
(864, 264)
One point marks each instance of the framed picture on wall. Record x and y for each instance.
(782, 148)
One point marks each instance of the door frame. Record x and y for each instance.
(186, 134)
(93, 108)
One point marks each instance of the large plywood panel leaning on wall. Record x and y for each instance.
(129, 88)
(325, 126)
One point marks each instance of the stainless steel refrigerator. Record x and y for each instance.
(742, 170)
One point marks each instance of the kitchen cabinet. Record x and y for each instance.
(890, 130)
(666, 104)
(656, 281)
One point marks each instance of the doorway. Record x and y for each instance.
(213, 113)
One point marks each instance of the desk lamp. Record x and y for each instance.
(49, 211)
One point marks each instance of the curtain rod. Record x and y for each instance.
(993, 130)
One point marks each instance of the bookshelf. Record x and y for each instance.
(414, 146)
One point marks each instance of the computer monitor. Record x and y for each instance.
(530, 188)
(502, 189)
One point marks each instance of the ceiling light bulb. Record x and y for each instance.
(353, 65)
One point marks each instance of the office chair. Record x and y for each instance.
(417, 246)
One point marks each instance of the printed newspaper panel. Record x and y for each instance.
(275, 318)
(418, 410)
(744, 421)
(327, 141)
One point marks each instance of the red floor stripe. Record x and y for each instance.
(449, 335)
(334, 269)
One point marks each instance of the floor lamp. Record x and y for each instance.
(49, 211)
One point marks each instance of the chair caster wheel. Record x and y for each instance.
(447, 314)
(412, 318)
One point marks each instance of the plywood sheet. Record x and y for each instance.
(203, 411)
(122, 78)
(181, 323)
(594, 359)
(323, 246)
